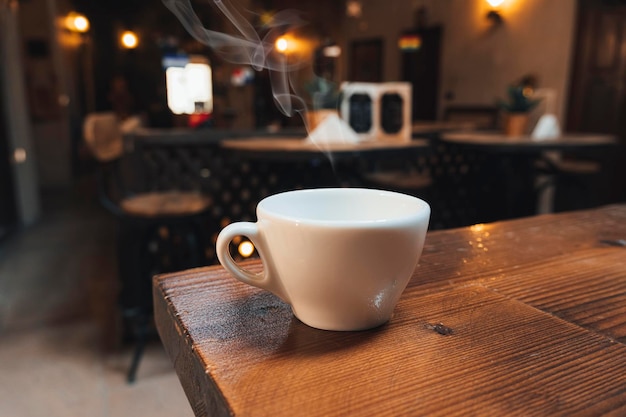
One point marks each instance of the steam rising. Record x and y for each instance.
(248, 48)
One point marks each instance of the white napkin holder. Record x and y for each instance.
(378, 111)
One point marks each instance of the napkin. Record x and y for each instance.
(333, 129)
(547, 127)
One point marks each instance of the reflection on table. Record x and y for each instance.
(521, 317)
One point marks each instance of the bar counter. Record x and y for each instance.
(520, 317)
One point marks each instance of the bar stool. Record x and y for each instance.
(558, 174)
(158, 231)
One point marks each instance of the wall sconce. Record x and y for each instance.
(494, 15)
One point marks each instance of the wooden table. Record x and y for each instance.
(524, 317)
(431, 128)
(337, 164)
(292, 148)
(512, 167)
(499, 142)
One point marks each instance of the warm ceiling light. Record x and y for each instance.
(81, 23)
(281, 44)
(77, 22)
(246, 248)
(129, 40)
(495, 3)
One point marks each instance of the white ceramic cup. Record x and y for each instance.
(341, 257)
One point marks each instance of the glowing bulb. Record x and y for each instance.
(245, 248)
(81, 23)
(77, 22)
(129, 40)
(495, 3)
(281, 44)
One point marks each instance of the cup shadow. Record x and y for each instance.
(264, 322)
(304, 340)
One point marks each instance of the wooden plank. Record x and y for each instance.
(587, 288)
(500, 357)
(477, 251)
(204, 397)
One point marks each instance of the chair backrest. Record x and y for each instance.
(103, 133)
(103, 136)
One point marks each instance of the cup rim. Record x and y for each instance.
(421, 213)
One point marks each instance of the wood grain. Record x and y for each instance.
(523, 317)
(588, 289)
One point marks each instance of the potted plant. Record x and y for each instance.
(324, 100)
(517, 108)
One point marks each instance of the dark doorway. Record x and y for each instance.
(598, 88)
(366, 61)
(8, 215)
(420, 66)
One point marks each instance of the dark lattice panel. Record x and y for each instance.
(234, 185)
(459, 189)
(176, 167)
(455, 185)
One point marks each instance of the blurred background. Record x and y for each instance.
(55, 73)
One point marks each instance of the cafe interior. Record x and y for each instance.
(133, 131)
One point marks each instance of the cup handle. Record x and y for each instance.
(266, 279)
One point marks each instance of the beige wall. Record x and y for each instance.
(478, 60)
